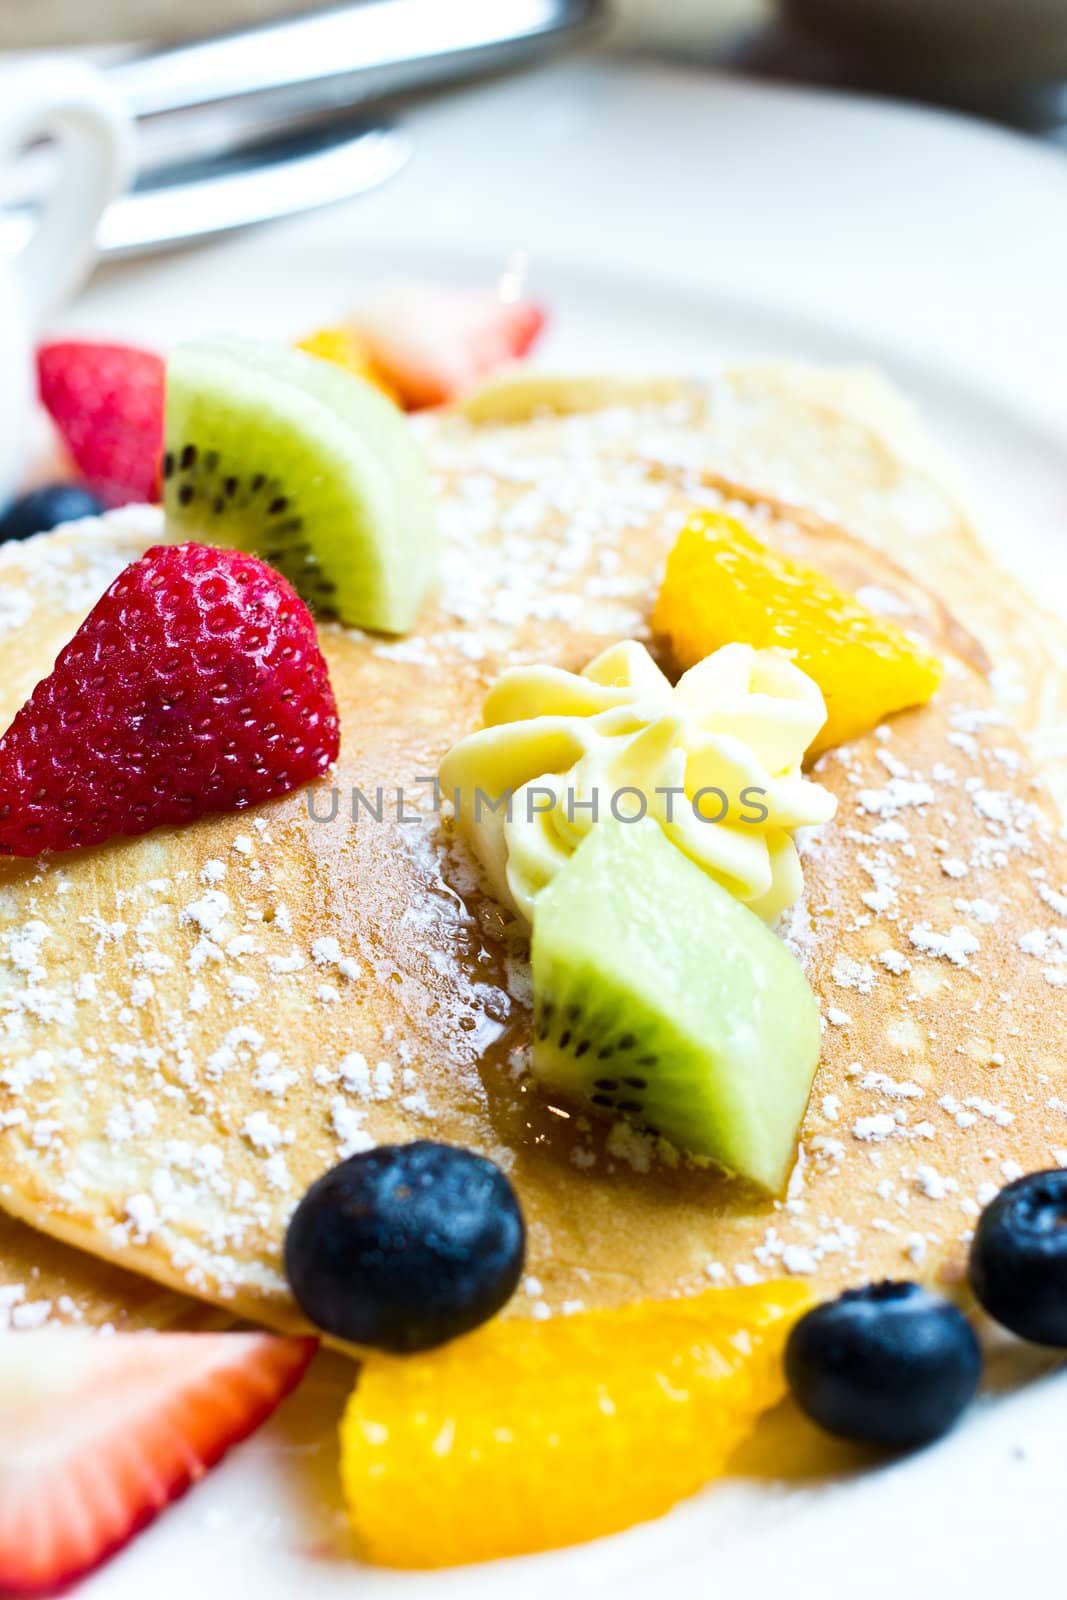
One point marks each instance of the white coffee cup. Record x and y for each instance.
(71, 103)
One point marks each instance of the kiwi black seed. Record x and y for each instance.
(567, 1029)
(201, 478)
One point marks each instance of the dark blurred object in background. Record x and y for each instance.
(1005, 59)
(934, 46)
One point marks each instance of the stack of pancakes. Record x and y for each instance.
(197, 1023)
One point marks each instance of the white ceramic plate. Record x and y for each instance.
(673, 222)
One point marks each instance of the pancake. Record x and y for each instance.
(199, 1022)
(44, 1282)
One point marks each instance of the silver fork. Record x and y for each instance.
(270, 121)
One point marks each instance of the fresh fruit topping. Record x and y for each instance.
(100, 1434)
(715, 761)
(196, 684)
(277, 452)
(722, 584)
(660, 999)
(531, 1435)
(45, 508)
(1019, 1258)
(107, 402)
(432, 342)
(890, 1365)
(343, 346)
(405, 1246)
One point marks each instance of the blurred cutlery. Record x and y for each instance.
(202, 198)
(348, 54)
(262, 124)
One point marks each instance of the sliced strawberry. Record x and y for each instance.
(99, 1433)
(432, 343)
(196, 684)
(107, 402)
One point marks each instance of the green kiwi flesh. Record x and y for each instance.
(661, 1000)
(304, 464)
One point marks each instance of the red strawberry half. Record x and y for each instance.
(195, 684)
(107, 402)
(100, 1433)
(431, 343)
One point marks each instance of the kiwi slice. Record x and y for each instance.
(304, 464)
(662, 1000)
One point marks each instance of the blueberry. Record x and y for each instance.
(406, 1246)
(46, 508)
(1019, 1258)
(889, 1365)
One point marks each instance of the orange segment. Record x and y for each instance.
(346, 349)
(722, 585)
(529, 1435)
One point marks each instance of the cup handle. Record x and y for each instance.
(73, 104)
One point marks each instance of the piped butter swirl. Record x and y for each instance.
(715, 759)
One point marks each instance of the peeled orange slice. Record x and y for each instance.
(722, 585)
(344, 348)
(529, 1435)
